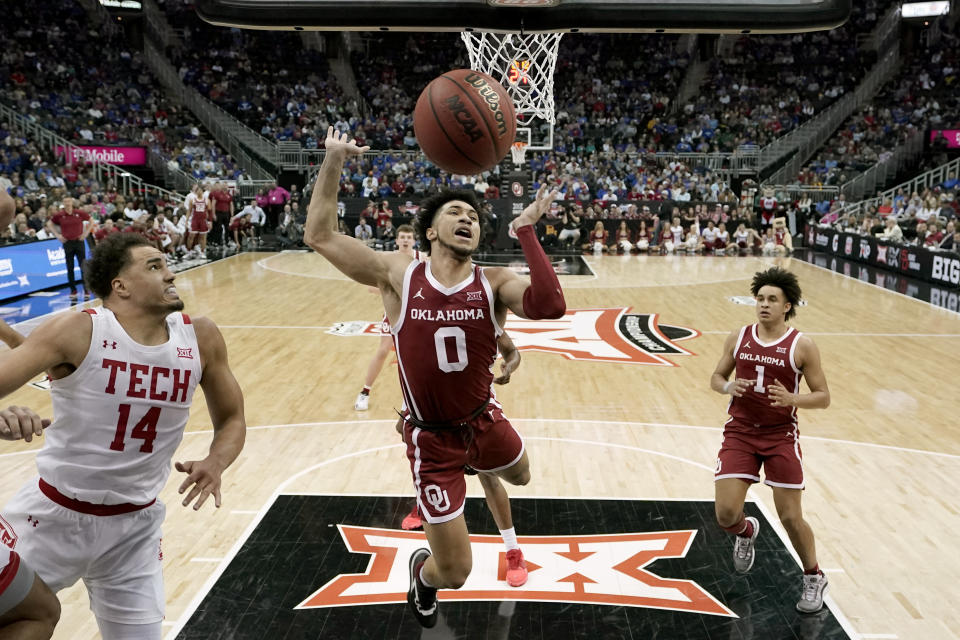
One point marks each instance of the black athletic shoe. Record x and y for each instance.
(422, 600)
(469, 471)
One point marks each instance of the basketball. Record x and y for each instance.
(465, 121)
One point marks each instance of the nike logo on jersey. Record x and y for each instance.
(419, 294)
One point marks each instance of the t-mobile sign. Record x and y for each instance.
(113, 155)
(952, 136)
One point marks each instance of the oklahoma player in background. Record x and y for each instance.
(446, 315)
(123, 378)
(769, 359)
(199, 208)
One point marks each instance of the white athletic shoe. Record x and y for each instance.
(743, 551)
(362, 403)
(811, 599)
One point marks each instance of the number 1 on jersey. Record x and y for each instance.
(145, 429)
(758, 387)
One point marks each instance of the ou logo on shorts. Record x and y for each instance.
(437, 497)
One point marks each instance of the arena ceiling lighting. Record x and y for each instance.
(925, 9)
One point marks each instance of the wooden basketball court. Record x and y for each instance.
(881, 462)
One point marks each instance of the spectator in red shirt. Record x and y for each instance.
(71, 231)
(384, 213)
(105, 230)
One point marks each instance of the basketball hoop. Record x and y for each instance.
(523, 63)
(517, 150)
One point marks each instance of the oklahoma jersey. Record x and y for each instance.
(120, 415)
(446, 343)
(764, 363)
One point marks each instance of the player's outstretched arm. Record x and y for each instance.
(542, 297)
(63, 339)
(352, 257)
(225, 403)
(808, 360)
(10, 336)
(726, 366)
(511, 358)
(7, 208)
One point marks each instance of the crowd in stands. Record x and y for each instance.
(926, 218)
(922, 94)
(86, 83)
(266, 79)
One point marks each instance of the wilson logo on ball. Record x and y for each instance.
(465, 121)
(492, 98)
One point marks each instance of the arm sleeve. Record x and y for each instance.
(543, 298)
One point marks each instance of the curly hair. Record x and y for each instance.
(109, 258)
(782, 279)
(430, 206)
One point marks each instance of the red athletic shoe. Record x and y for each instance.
(516, 568)
(412, 520)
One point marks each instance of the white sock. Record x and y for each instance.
(423, 579)
(509, 538)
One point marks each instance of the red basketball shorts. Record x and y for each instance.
(490, 443)
(199, 223)
(745, 449)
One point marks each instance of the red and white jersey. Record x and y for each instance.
(723, 237)
(709, 234)
(768, 205)
(778, 235)
(741, 237)
(198, 207)
(446, 342)
(119, 417)
(764, 363)
(4, 560)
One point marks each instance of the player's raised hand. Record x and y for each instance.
(204, 477)
(337, 141)
(780, 396)
(536, 209)
(739, 386)
(18, 423)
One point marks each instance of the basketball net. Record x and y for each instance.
(524, 65)
(518, 149)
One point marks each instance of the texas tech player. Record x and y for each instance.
(769, 359)
(123, 377)
(445, 316)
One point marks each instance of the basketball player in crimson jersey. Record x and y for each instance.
(496, 496)
(445, 316)
(768, 359)
(123, 377)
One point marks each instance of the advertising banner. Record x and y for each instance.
(25, 268)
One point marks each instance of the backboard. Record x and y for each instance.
(528, 16)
